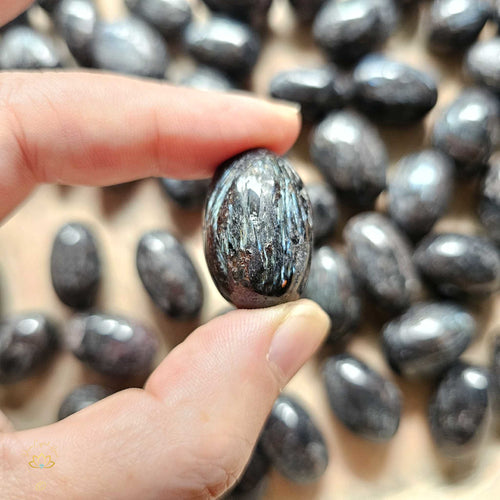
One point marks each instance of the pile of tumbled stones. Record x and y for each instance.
(272, 250)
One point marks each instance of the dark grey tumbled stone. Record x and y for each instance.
(48, 5)
(458, 264)
(169, 17)
(251, 11)
(27, 342)
(22, 47)
(81, 398)
(427, 338)
(458, 411)
(489, 202)
(112, 344)
(365, 402)
(380, 257)
(75, 266)
(130, 46)
(391, 92)
(351, 155)
(331, 284)
(168, 274)
(468, 129)
(225, 44)
(189, 195)
(495, 373)
(482, 63)
(420, 191)
(292, 441)
(258, 230)
(325, 211)
(455, 24)
(205, 78)
(306, 10)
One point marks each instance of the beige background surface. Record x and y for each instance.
(408, 466)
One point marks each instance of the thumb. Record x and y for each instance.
(190, 432)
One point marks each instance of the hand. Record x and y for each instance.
(190, 431)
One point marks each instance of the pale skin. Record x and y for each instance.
(191, 430)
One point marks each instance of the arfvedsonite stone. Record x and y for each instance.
(489, 202)
(250, 11)
(81, 398)
(258, 230)
(325, 210)
(483, 63)
(189, 194)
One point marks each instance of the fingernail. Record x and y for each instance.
(286, 107)
(297, 338)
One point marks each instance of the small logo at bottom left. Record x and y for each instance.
(41, 455)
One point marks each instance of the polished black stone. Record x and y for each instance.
(306, 10)
(48, 5)
(454, 24)
(332, 285)
(495, 373)
(23, 48)
(318, 90)
(427, 339)
(365, 402)
(292, 441)
(467, 128)
(258, 230)
(112, 344)
(130, 46)
(420, 191)
(458, 411)
(251, 11)
(189, 195)
(205, 78)
(75, 266)
(168, 274)
(458, 264)
(391, 92)
(81, 398)
(351, 155)
(489, 203)
(482, 63)
(325, 211)
(380, 257)
(27, 342)
(225, 44)
(349, 29)
(169, 17)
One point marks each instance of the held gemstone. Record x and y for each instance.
(169, 276)
(458, 264)
(257, 230)
(364, 401)
(75, 266)
(427, 339)
(489, 203)
(27, 341)
(189, 195)
(81, 398)
(351, 155)
(293, 443)
(251, 11)
(483, 63)
(306, 10)
(205, 78)
(325, 211)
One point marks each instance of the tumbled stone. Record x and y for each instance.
(455, 24)
(81, 398)
(306, 10)
(325, 211)
(189, 195)
(112, 344)
(420, 191)
(380, 256)
(22, 47)
(317, 90)
(27, 342)
(251, 11)
(427, 338)
(391, 92)
(365, 402)
(168, 274)
(483, 63)
(257, 230)
(75, 266)
(458, 264)
(489, 202)
(205, 78)
(467, 128)
(458, 411)
(169, 17)
(48, 5)
(351, 155)
(495, 373)
(225, 44)
(331, 284)
(130, 46)
(292, 441)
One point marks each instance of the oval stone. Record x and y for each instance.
(391, 92)
(306, 10)
(483, 63)
(351, 155)
(75, 266)
(489, 203)
(325, 210)
(365, 402)
(251, 11)
(205, 78)
(27, 342)
(189, 195)
(331, 284)
(169, 276)
(420, 191)
(427, 339)
(458, 264)
(258, 230)
(495, 373)
(292, 441)
(112, 345)
(380, 257)
(81, 398)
